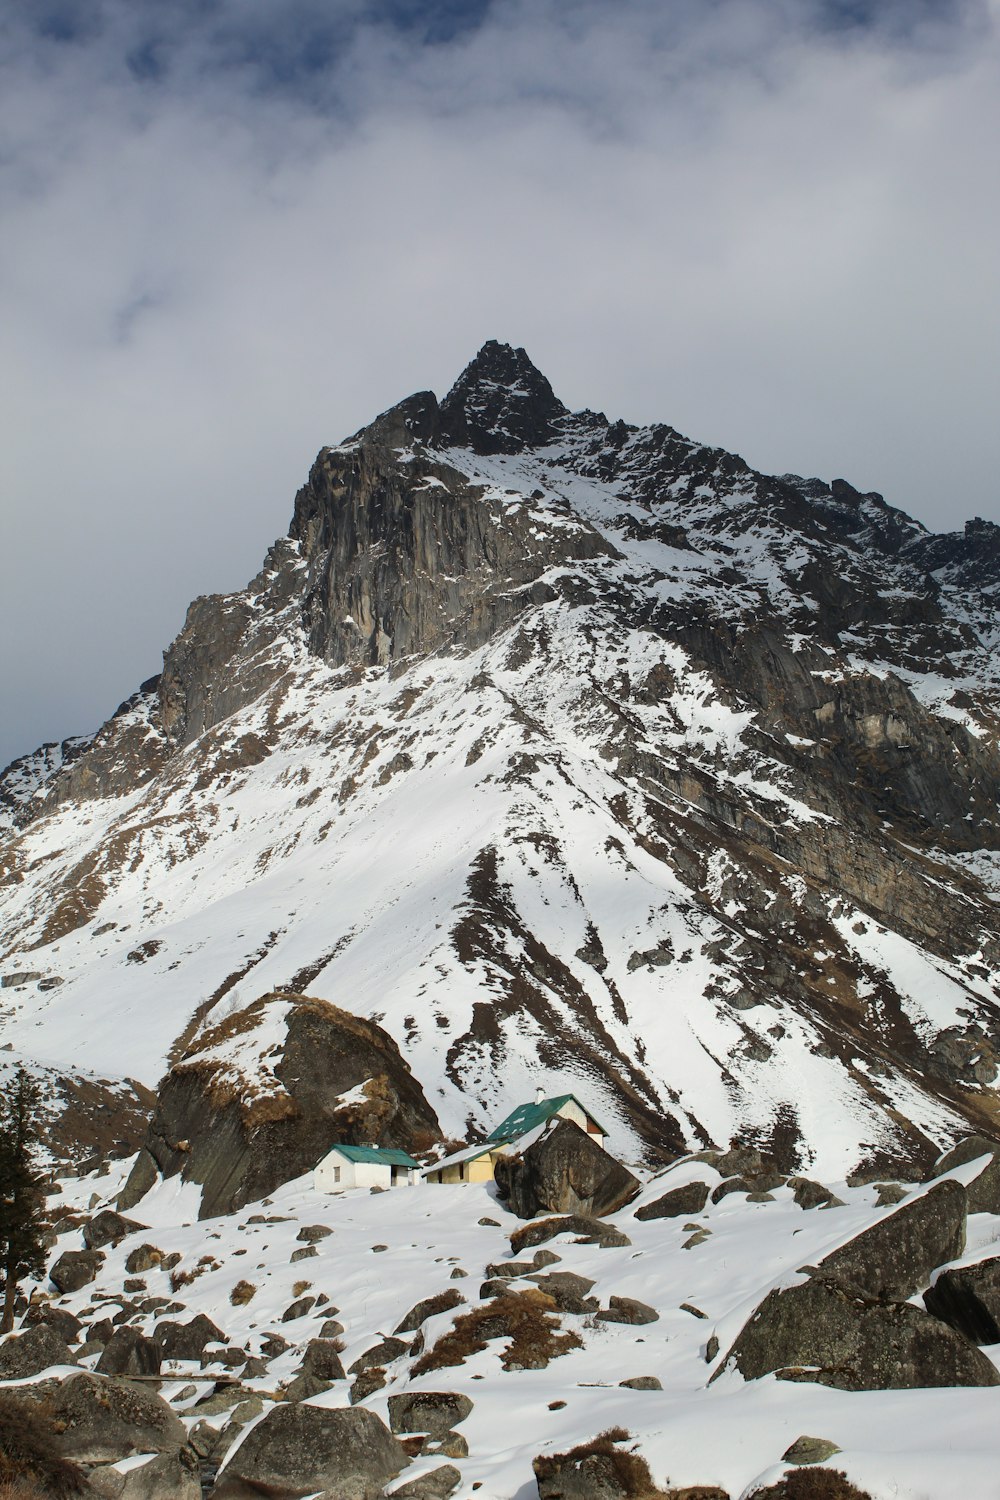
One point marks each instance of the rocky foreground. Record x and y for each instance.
(728, 1327)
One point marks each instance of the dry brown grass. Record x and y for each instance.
(242, 1293)
(612, 1467)
(523, 1318)
(812, 1484)
(30, 1465)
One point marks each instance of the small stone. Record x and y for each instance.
(304, 1254)
(809, 1450)
(378, 1249)
(556, 1405)
(458, 1273)
(695, 1312)
(451, 1445)
(642, 1383)
(490, 1223)
(309, 1233)
(711, 1349)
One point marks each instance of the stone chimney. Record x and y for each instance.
(539, 1094)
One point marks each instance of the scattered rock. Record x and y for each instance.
(491, 1223)
(322, 1359)
(75, 1269)
(59, 1319)
(298, 1309)
(810, 1194)
(567, 1290)
(642, 1383)
(689, 1199)
(330, 1329)
(299, 1450)
(305, 1253)
(187, 1340)
(25, 1354)
(809, 1450)
(367, 1383)
(429, 1308)
(628, 1310)
(597, 1470)
(128, 1352)
(590, 1231)
(449, 1445)
(565, 1171)
(380, 1354)
(107, 1228)
(310, 1233)
(809, 1484)
(433, 1412)
(888, 1193)
(436, 1485)
(695, 1312)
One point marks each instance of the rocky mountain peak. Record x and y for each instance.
(500, 403)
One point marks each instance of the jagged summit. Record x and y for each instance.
(544, 738)
(500, 404)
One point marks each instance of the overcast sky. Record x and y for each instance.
(232, 231)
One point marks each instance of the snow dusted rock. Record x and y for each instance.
(628, 1310)
(564, 1172)
(898, 1255)
(59, 1319)
(129, 1352)
(591, 1231)
(302, 1450)
(438, 1484)
(100, 1421)
(107, 1228)
(433, 1412)
(163, 1477)
(601, 1469)
(429, 1307)
(75, 1269)
(984, 1191)
(826, 1332)
(686, 1200)
(968, 1299)
(187, 1340)
(258, 1099)
(29, 1353)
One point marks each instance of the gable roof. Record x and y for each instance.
(382, 1156)
(529, 1116)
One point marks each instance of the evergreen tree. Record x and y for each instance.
(22, 1198)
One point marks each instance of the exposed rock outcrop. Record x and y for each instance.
(242, 1133)
(564, 1172)
(301, 1450)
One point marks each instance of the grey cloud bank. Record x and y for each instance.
(230, 234)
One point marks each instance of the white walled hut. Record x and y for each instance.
(363, 1166)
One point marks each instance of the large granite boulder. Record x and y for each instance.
(239, 1143)
(434, 1412)
(968, 1299)
(187, 1340)
(26, 1354)
(129, 1352)
(687, 1200)
(107, 1228)
(165, 1476)
(301, 1450)
(100, 1421)
(898, 1255)
(823, 1331)
(984, 1191)
(75, 1269)
(564, 1172)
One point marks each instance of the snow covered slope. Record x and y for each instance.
(568, 752)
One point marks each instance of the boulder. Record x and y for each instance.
(299, 1450)
(438, 1484)
(163, 1477)
(810, 1194)
(567, 1290)
(433, 1412)
(75, 1269)
(968, 1298)
(99, 1421)
(897, 1256)
(59, 1319)
(143, 1258)
(380, 1354)
(564, 1172)
(823, 1331)
(107, 1228)
(26, 1354)
(589, 1231)
(628, 1310)
(211, 1131)
(322, 1360)
(686, 1200)
(984, 1191)
(310, 1233)
(129, 1352)
(429, 1308)
(187, 1340)
(598, 1470)
(642, 1383)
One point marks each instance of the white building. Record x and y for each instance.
(363, 1166)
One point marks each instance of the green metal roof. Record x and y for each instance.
(529, 1116)
(384, 1157)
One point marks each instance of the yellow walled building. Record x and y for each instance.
(476, 1163)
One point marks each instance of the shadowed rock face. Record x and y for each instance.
(564, 1172)
(240, 1145)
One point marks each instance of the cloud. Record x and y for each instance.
(233, 232)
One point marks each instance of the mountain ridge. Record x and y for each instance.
(609, 756)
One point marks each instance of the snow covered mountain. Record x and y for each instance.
(566, 751)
